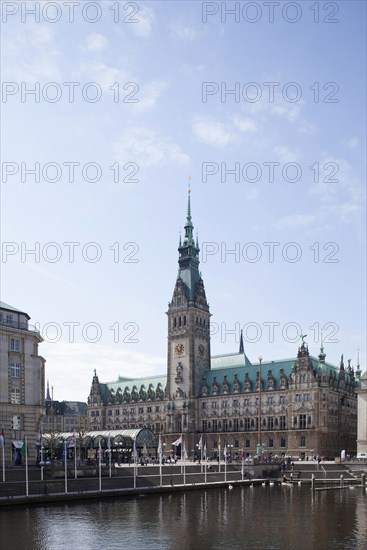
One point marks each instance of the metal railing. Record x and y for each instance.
(18, 325)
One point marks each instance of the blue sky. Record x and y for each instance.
(315, 119)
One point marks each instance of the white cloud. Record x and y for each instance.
(183, 32)
(105, 75)
(29, 53)
(149, 94)
(143, 27)
(212, 132)
(284, 154)
(294, 221)
(352, 143)
(148, 148)
(96, 42)
(245, 124)
(340, 193)
(307, 127)
(290, 111)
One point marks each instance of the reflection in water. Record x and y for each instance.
(260, 518)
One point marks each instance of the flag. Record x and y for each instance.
(24, 450)
(184, 451)
(72, 442)
(2, 438)
(204, 453)
(243, 453)
(109, 441)
(160, 447)
(200, 444)
(135, 453)
(219, 445)
(177, 442)
(64, 455)
(225, 450)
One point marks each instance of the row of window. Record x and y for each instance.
(181, 321)
(302, 421)
(248, 402)
(245, 424)
(269, 443)
(303, 397)
(148, 409)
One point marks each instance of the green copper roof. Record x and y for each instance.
(122, 382)
(230, 365)
(189, 257)
(231, 360)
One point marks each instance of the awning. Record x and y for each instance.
(18, 443)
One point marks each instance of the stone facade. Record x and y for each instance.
(22, 387)
(303, 406)
(362, 416)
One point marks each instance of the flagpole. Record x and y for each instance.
(243, 463)
(219, 447)
(75, 470)
(160, 460)
(41, 456)
(205, 465)
(134, 443)
(3, 462)
(3, 455)
(201, 454)
(184, 461)
(2, 441)
(26, 466)
(182, 454)
(66, 466)
(225, 462)
(109, 453)
(100, 467)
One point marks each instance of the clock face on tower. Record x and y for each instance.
(201, 350)
(179, 349)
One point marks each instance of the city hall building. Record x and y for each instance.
(302, 406)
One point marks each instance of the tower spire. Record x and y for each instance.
(48, 396)
(358, 369)
(322, 354)
(241, 350)
(188, 201)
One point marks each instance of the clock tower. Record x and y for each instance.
(188, 335)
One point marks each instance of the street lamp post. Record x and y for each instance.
(259, 445)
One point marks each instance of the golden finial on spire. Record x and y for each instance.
(189, 190)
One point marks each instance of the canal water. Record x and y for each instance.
(264, 518)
